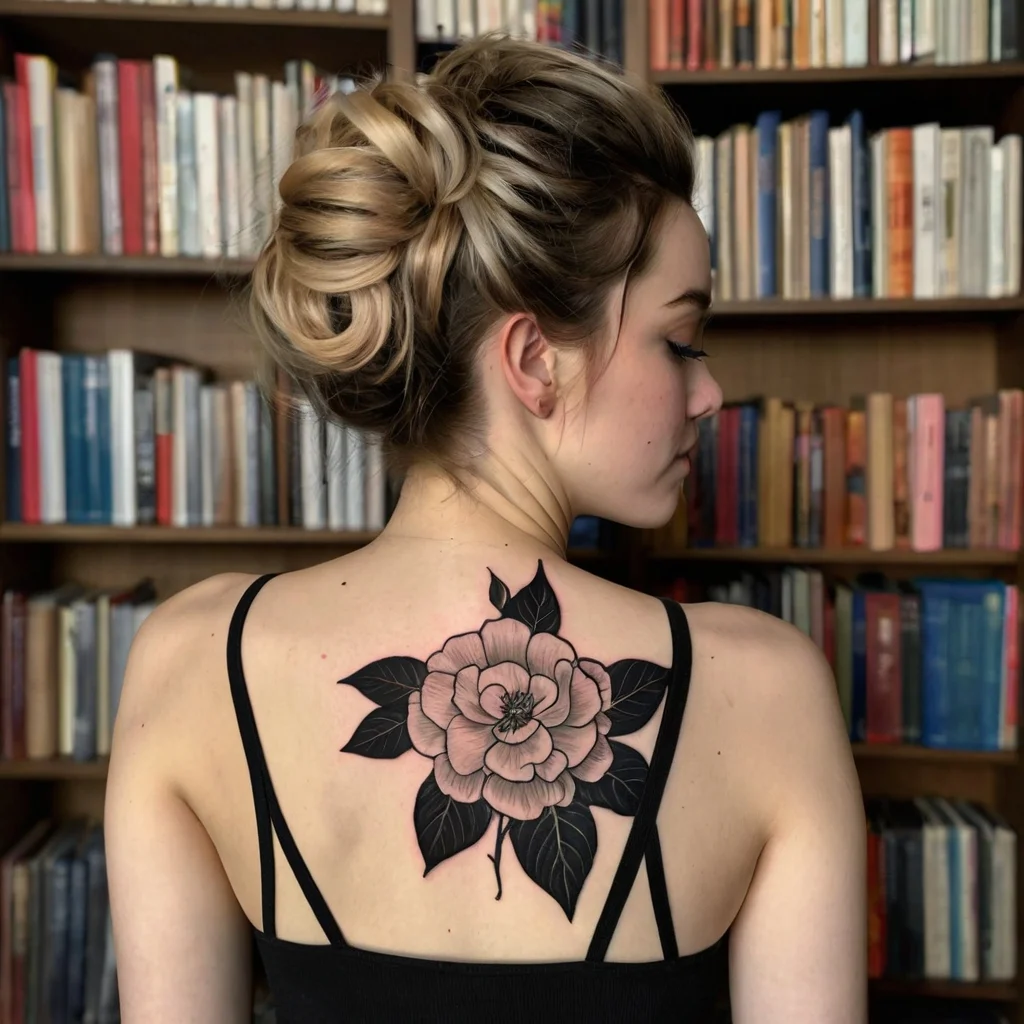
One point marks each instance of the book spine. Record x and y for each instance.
(820, 205)
(42, 75)
(5, 216)
(861, 213)
(767, 202)
(30, 493)
(900, 204)
(165, 79)
(12, 479)
(129, 109)
(105, 71)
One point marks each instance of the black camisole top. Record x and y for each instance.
(337, 982)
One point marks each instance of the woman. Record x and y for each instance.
(448, 777)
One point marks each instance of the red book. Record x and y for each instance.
(23, 147)
(31, 511)
(164, 436)
(676, 34)
(695, 36)
(659, 34)
(830, 629)
(129, 108)
(876, 905)
(883, 678)
(899, 172)
(150, 172)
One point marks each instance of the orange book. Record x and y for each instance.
(658, 13)
(901, 475)
(783, 34)
(801, 33)
(834, 431)
(1011, 408)
(900, 189)
(856, 466)
(879, 476)
(764, 34)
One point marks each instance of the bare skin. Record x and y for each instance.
(761, 825)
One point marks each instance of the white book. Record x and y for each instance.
(208, 173)
(840, 162)
(964, 896)
(974, 236)
(938, 954)
(834, 30)
(249, 241)
(77, 133)
(231, 232)
(311, 468)
(950, 205)
(426, 20)
(240, 443)
(879, 217)
(942, 34)
(996, 223)
(906, 31)
(1011, 146)
(1004, 923)
(513, 18)
(284, 120)
(179, 448)
(855, 41)
(103, 719)
(705, 190)
(995, 29)
(207, 453)
(41, 84)
(465, 15)
(188, 182)
(49, 395)
(345, 6)
(110, 155)
(925, 157)
(819, 29)
(335, 466)
(490, 16)
(447, 18)
(355, 479)
(263, 205)
(124, 499)
(888, 32)
(979, 33)
(925, 17)
(376, 485)
(529, 16)
(165, 81)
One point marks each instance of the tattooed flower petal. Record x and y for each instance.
(575, 743)
(464, 788)
(458, 652)
(468, 742)
(513, 678)
(603, 723)
(545, 651)
(515, 736)
(544, 692)
(584, 699)
(599, 674)
(557, 712)
(522, 800)
(438, 692)
(568, 784)
(596, 763)
(468, 696)
(505, 640)
(492, 701)
(550, 769)
(516, 761)
(426, 737)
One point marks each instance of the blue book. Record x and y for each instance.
(5, 213)
(820, 204)
(75, 454)
(859, 694)
(861, 189)
(572, 23)
(767, 191)
(936, 615)
(748, 477)
(13, 461)
(98, 499)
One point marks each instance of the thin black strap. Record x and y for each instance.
(659, 897)
(269, 817)
(650, 800)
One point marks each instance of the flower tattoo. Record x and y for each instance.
(517, 726)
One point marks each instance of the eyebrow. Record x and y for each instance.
(692, 297)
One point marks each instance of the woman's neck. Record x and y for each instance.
(503, 501)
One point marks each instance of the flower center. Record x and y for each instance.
(517, 710)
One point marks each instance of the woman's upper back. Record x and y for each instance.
(395, 804)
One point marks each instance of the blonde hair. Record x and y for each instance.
(513, 177)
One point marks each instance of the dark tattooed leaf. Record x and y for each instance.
(637, 688)
(535, 605)
(621, 786)
(557, 851)
(499, 592)
(445, 827)
(388, 680)
(382, 733)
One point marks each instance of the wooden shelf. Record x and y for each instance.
(978, 305)
(873, 73)
(74, 534)
(55, 768)
(202, 15)
(128, 266)
(929, 755)
(979, 558)
(990, 991)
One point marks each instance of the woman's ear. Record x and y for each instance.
(529, 363)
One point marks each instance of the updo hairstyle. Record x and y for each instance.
(513, 177)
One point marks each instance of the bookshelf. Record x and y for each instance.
(819, 348)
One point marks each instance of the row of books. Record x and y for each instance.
(929, 662)
(137, 163)
(695, 35)
(126, 438)
(63, 654)
(340, 6)
(595, 25)
(942, 891)
(889, 472)
(804, 209)
(57, 958)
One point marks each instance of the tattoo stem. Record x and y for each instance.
(495, 858)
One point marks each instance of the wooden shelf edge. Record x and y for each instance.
(979, 558)
(934, 755)
(54, 768)
(74, 534)
(99, 10)
(872, 72)
(778, 307)
(98, 263)
(986, 990)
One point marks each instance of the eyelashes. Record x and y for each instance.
(684, 352)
